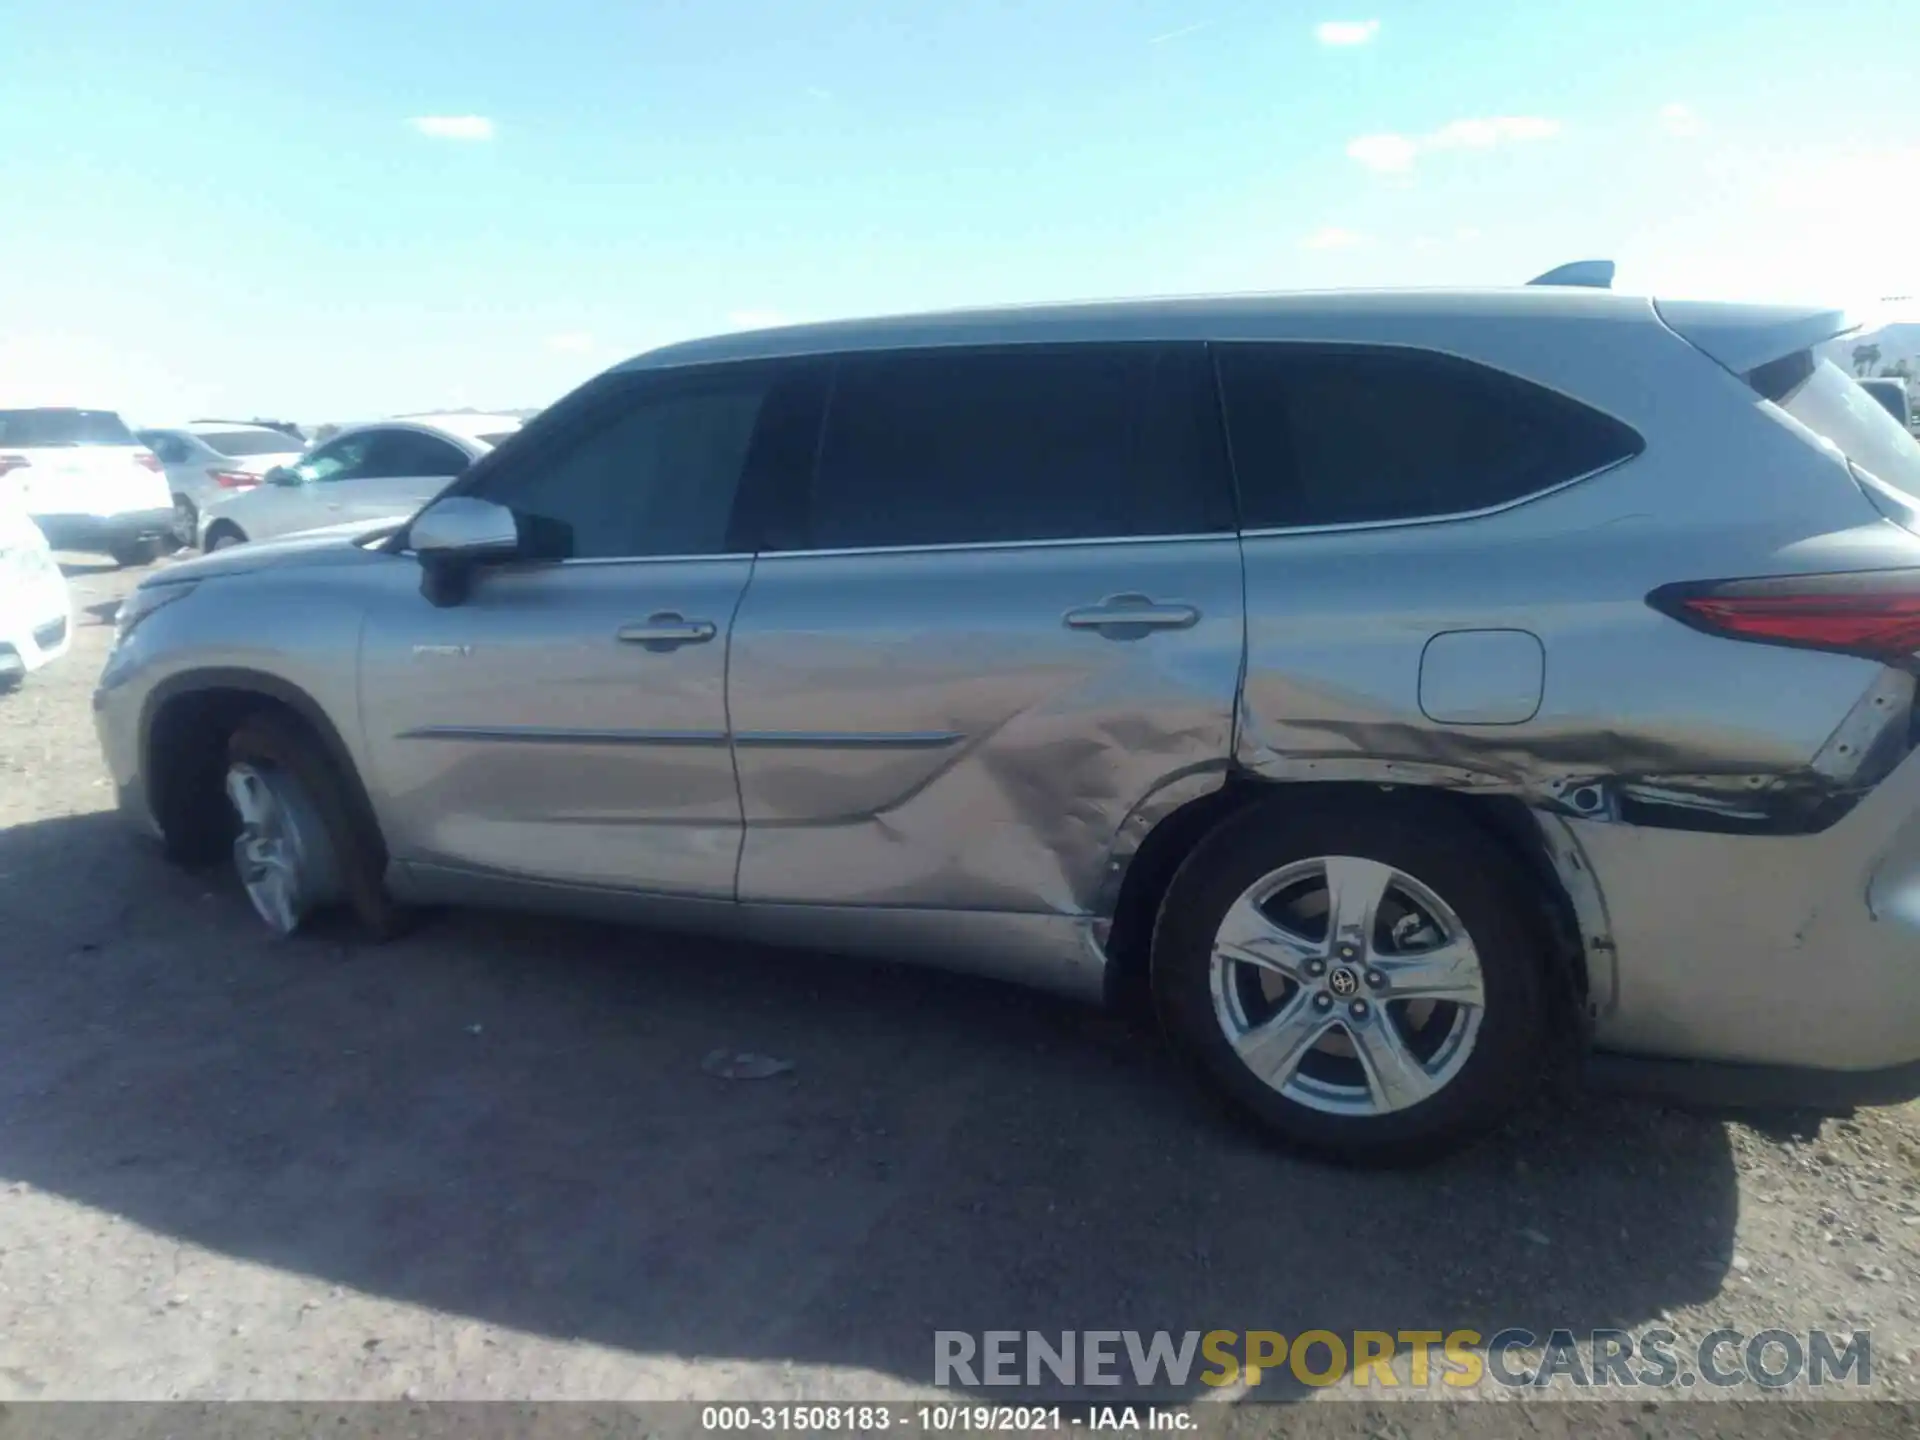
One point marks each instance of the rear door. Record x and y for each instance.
(1001, 616)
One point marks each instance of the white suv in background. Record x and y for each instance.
(210, 459)
(36, 611)
(87, 482)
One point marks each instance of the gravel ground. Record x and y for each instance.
(485, 1163)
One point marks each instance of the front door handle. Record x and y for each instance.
(666, 631)
(1128, 617)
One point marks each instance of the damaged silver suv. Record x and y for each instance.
(1405, 692)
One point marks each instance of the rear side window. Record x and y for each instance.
(408, 453)
(237, 443)
(28, 428)
(1030, 443)
(1324, 436)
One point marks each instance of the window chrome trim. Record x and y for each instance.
(1337, 526)
(1077, 542)
(589, 560)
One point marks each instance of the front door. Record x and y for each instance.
(1003, 617)
(568, 721)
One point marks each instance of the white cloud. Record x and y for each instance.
(1346, 32)
(756, 319)
(1391, 153)
(1384, 152)
(1678, 119)
(572, 342)
(1332, 237)
(454, 127)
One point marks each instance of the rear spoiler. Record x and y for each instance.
(1587, 274)
(1745, 337)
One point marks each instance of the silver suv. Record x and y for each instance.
(1405, 692)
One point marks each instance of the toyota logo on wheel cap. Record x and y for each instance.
(1343, 982)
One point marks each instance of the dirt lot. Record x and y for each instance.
(486, 1162)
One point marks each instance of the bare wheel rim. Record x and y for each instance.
(282, 852)
(185, 519)
(1347, 986)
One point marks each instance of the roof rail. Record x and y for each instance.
(1587, 274)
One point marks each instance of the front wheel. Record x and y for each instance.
(303, 845)
(186, 521)
(131, 554)
(223, 536)
(1365, 981)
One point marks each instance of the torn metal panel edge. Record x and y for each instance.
(1606, 775)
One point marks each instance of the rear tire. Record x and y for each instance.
(186, 522)
(131, 554)
(224, 535)
(299, 775)
(1338, 1041)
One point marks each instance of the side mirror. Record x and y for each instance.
(453, 535)
(281, 475)
(466, 526)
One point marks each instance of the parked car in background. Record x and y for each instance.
(209, 459)
(36, 610)
(381, 470)
(1891, 392)
(87, 482)
(1122, 649)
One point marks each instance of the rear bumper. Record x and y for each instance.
(106, 532)
(1790, 964)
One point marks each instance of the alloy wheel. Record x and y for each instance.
(1347, 985)
(283, 854)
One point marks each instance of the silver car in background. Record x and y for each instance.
(209, 460)
(1408, 694)
(362, 474)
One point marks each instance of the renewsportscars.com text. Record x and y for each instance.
(1418, 1359)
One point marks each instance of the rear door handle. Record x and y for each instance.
(1128, 617)
(666, 631)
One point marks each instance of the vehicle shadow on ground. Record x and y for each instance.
(508, 1119)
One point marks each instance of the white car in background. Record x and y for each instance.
(210, 459)
(380, 470)
(87, 482)
(36, 611)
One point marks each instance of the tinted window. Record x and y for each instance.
(407, 452)
(342, 459)
(250, 442)
(1323, 437)
(27, 428)
(951, 447)
(638, 465)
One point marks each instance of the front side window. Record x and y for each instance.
(642, 465)
(344, 458)
(1329, 436)
(1018, 444)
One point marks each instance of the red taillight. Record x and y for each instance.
(148, 459)
(233, 479)
(11, 463)
(1871, 613)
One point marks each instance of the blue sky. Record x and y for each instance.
(329, 211)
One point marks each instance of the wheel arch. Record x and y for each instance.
(1505, 820)
(184, 725)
